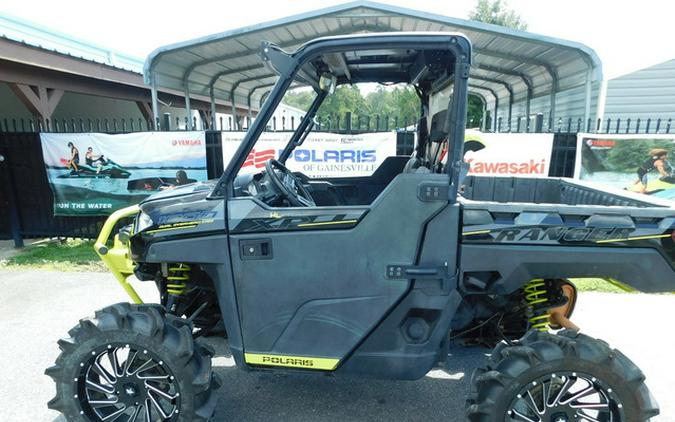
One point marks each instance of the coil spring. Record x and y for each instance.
(179, 275)
(536, 296)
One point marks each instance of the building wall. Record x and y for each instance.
(645, 94)
(85, 107)
(10, 106)
(570, 104)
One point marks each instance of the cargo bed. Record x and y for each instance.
(515, 194)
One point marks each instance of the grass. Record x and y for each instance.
(596, 285)
(69, 255)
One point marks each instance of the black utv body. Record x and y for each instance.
(372, 276)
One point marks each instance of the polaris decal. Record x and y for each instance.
(275, 360)
(305, 362)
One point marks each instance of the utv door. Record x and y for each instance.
(312, 282)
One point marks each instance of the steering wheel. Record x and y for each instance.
(288, 185)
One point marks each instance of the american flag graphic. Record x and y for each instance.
(258, 158)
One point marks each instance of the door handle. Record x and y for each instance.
(254, 249)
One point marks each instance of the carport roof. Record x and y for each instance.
(508, 64)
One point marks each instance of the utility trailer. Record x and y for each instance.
(370, 276)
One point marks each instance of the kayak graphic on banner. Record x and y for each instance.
(96, 174)
(508, 154)
(638, 163)
(322, 155)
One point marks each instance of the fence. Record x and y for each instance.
(26, 208)
(338, 123)
(26, 200)
(536, 124)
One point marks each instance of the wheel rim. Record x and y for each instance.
(125, 383)
(565, 398)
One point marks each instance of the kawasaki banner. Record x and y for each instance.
(96, 174)
(508, 154)
(638, 163)
(321, 155)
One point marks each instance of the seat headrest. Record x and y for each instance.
(438, 132)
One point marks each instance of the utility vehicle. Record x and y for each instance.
(369, 276)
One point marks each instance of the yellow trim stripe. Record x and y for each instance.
(656, 236)
(192, 226)
(478, 232)
(305, 362)
(326, 223)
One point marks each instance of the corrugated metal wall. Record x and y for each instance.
(570, 104)
(645, 94)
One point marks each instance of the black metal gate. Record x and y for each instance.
(26, 198)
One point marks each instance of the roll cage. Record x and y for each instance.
(427, 60)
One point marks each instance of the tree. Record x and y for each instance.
(394, 102)
(497, 12)
(474, 112)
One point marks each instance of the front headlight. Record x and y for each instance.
(143, 221)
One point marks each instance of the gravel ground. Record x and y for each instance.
(38, 307)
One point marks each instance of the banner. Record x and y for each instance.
(508, 154)
(638, 163)
(96, 174)
(322, 155)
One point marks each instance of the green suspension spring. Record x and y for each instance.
(179, 276)
(537, 297)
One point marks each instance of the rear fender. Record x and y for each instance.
(644, 269)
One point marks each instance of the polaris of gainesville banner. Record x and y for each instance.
(96, 174)
(508, 154)
(637, 163)
(322, 155)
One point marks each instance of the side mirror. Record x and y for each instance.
(327, 83)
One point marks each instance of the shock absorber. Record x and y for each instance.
(537, 298)
(177, 279)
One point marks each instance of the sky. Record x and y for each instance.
(627, 35)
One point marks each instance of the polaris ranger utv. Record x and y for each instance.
(369, 276)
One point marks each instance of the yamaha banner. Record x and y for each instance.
(637, 163)
(96, 174)
(322, 155)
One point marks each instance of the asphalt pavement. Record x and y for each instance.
(38, 307)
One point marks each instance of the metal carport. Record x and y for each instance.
(509, 66)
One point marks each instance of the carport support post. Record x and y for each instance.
(234, 126)
(552, 108)
(155, 101)
(250, 111)
(187, 105)
(494, 118)
(527, 104)
(213, 109)
(510, 109)
(484, 122)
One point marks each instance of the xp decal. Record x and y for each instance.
(276, 222)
